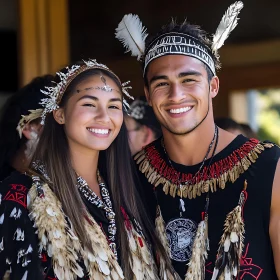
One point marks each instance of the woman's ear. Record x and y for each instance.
(59, 116)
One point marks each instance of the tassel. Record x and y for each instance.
(227, 24)
(196, 265)
(160, 230)
(164, 273)
(132, 34)
(231, 244)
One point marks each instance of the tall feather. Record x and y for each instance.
(227, 24)
(196, 265)
(132, 34)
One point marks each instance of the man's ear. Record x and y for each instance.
(59, 116)
(147, 94)
(214, 86)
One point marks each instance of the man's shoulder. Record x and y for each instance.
(271, 151)
(265, 149)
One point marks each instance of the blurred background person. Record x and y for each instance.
(229, 125)
(20, 127)
(248, 131)
(234, 127)
(142, 125)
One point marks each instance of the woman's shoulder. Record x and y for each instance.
(14, 190)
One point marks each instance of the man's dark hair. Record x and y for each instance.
(185, 28)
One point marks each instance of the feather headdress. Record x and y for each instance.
(132, 34)
(227, 24)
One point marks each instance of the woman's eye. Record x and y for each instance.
(114, 107)
(88, 105)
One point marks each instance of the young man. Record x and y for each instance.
(200, 181)
(142, 125)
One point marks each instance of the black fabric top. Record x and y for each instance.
(257, 258)
(18, 240)
(6, 171)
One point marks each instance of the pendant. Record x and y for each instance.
(182, 207)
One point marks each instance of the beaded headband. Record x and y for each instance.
(54, 94)
(133, 34)
(179, 43)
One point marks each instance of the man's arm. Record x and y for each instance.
(274, 225)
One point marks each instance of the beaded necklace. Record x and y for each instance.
(180, 183)
(104, 204)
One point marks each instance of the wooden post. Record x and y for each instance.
(43, 37)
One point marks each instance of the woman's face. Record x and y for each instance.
(93, 115)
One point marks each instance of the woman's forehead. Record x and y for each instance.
(99, 79)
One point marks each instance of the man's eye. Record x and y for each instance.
(162, 84)
(188, 80)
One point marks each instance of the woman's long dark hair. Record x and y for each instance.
(116, 167)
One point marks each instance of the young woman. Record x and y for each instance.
(75, 214)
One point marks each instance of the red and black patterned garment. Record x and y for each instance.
(260, 160)
(19, 257)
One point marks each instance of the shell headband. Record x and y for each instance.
(54, 94)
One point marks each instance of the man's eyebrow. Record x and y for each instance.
(160, 77)
(181, 75)
(189, 73)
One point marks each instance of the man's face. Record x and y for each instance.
(136, 135)
(179, 92)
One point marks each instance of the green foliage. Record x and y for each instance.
(269, 115)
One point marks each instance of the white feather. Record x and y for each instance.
(2, 219)
(234, 237)
(227, 24)
(215, 274)
(227, 273)
(227, 244)
(132, 34)
(24, 277)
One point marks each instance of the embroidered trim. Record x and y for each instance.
(157, 171)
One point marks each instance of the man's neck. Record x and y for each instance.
(191, 148)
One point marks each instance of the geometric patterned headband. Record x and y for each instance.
(56, 92)
(179, 43)
(132, 34)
